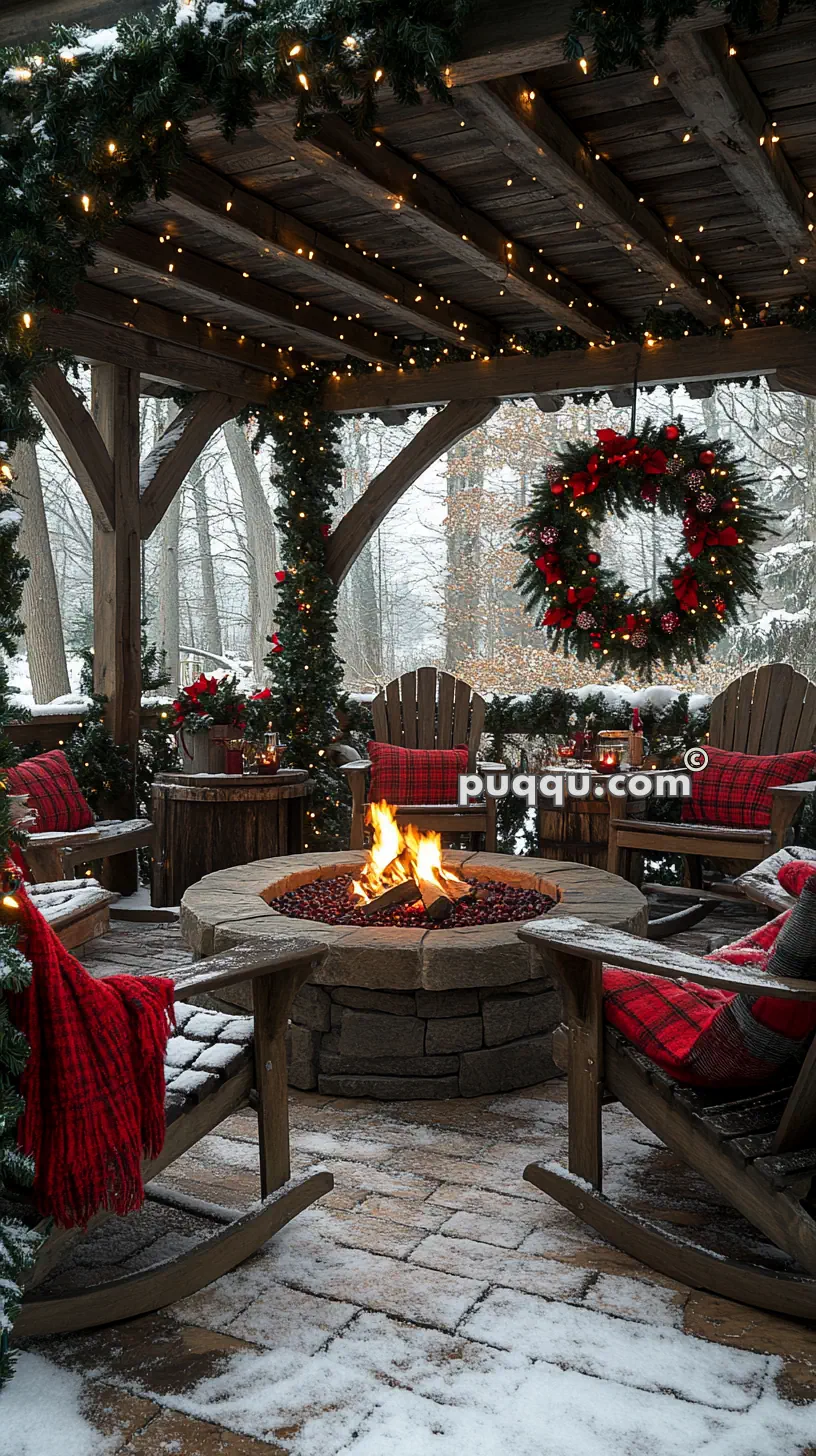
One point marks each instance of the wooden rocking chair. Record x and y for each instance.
(427, 709)
(757, 1148)
(769, 710)
(217, 1082)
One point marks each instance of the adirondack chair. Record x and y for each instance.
(427, 709)
(769, 710)
(214, 1084)
(757, 1148)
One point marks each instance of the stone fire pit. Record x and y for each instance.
(409, 1013)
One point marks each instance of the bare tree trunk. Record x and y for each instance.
(40, 607)
(463, 589)
(169, 629)
(262, 549)
(213, 641)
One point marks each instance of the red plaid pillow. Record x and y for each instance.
(53, 791)
(734, 790)
(416, 775)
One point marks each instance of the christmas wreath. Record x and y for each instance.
(701, 590)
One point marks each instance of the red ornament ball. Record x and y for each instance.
(669, 622)
(707, 457)
(557, 487)
(671, 432)
(719, 604)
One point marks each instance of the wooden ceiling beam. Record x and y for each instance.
(515, 117)
(122, 310)
(24, 21)
(515, 376)
(201, 195)
(438, 434)
(211, 283)
(171, 363)
(723, 106)
(397, 186)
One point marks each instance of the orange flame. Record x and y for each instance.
(398, 855)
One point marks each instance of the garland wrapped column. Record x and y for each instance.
(307, 672)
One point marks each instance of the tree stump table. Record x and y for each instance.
(207, 822)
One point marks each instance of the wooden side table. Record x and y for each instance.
(206, 822)
(579, 830)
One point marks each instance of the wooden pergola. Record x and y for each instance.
(539, 199)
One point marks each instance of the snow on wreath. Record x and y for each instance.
(701, 589)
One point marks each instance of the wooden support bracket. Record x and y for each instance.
(437, 435)
(79, 438)
(174, 454)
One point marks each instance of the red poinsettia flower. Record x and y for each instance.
(650, 492)
(261, 695)
(685, 588)
(559, 617)
(277, 645)
(582, 483)
(579, 596)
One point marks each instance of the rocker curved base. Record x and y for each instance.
(173, 1279)
(688, 1263)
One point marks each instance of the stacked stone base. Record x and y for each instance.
(346, 1041)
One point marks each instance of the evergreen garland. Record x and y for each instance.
(307, 674)
(18, 1246)
(621, 31)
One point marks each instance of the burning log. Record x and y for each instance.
(437, 902)
(401, 894)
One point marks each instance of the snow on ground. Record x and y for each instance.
(40, 1413)
(433, 1305)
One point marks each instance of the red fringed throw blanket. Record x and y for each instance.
(94, 1082)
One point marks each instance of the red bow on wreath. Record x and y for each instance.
(685, 588)
(699, 535)
(550, 564)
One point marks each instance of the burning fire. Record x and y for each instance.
(403, 857)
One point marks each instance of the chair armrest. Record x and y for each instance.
(359, 765)
(248, 961)
(582, 940)
(794, 791)
(484, 767)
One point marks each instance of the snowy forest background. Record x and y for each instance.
(436, 583)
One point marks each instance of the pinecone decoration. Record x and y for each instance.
(675, 465)
(585, 621)
(696, 479)
(549, 535)
(706, 503)
(639, 637)
(669, 622)
(553, 472)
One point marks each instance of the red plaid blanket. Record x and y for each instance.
(706, 1037)
(94, 1082)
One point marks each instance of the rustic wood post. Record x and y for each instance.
(117, 584)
